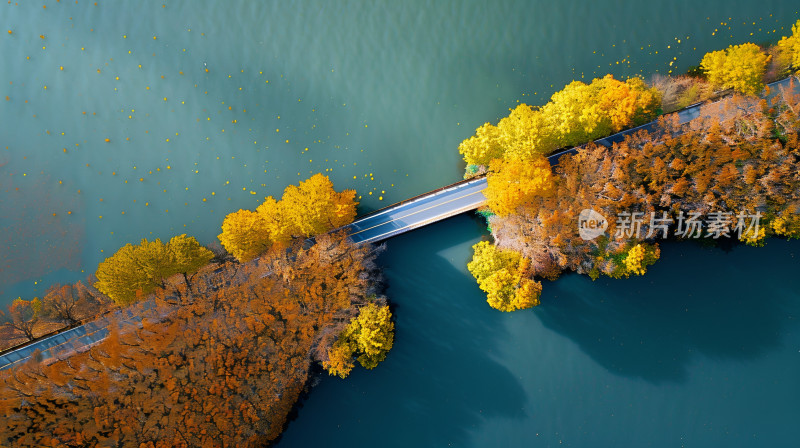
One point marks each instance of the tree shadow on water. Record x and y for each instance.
(695, 300)
(440, 380)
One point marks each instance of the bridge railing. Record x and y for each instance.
(417, 197)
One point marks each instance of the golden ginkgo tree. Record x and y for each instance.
(310, 208)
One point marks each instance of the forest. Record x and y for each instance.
(737, 165)
(221, 346)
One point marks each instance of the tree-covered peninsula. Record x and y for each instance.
(732, 172)
(219, 347)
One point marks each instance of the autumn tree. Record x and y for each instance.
(64, 302)
(580, 112)
(576, 114)
(314, 207)
(136, 270)
(222, 370)
(739, 67)
(187, 256)
(24, 315)
(245, 234)
(311, 208)
(639, 257)
(504, 276)
(511, 183)
(484, 146)
(369, 337)
(789, 47)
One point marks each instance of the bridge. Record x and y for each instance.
(373, 227)
(467, 195)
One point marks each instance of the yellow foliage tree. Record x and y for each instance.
(309, 209)
(576, 114)
(484, 146)
(135, 270)
(754, 237)
(512, 182)
(789, 47)
(340, 358)
(739, 67)
(187, 256)
(245, 234)
(580, 112)
(314, 207)
(524, 134)
(370, 336)
(504, 276)
(787, 225)
(624, 104)
(634, 262)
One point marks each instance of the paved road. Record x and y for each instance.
(77, 338)
(417, 212)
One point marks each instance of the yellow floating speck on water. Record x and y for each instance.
(61, 67)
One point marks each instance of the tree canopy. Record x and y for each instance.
(511, 183)
(739, 67)
(789, 47)
(576, 114)
(136, 270)
(310, 208)
(369, 337)
(222, 370)
(505, 278)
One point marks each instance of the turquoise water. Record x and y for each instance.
(702, 351)
(381, 93)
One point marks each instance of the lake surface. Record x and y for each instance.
(210, 106)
